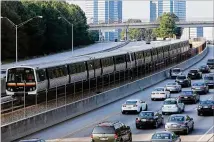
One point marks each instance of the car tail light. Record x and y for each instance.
(115, 136)
(92, 136)
(137, 119)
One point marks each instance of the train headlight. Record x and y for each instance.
(11, 89)
(30, 89)
(34, 88)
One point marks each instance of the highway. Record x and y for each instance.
(79, 128)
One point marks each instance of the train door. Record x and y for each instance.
(78, 72)
(107, 65)
(120, 62)
(90, 67)
(97, 68)
(42, 81)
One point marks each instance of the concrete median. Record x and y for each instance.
(41, 121)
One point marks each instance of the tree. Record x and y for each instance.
(167, 26)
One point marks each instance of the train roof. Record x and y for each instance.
(92, 56)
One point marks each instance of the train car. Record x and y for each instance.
(35, 78)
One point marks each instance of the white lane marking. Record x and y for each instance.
(206, 133)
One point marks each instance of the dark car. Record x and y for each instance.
(189, 96)
(194, 74)
(183, 80)
(209, 80)
(111, 132)
(210, 63)
(206, 107)
(200, 87)
(149, 119)
(165, 136)
(33, 140)
(204, 69)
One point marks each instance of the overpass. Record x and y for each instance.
(183, 24)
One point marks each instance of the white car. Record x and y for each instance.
(135, 105)
(160, 93)
(173, 87)
(172, 105)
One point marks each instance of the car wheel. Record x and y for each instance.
(187, 131)
(123, 112)
(163, 113)
(146, 108)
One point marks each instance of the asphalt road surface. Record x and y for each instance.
(79, 129)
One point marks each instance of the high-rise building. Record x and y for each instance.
(178, 7)
(105, 11)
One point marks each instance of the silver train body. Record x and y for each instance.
(75, 69)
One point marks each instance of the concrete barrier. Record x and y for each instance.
(41, 121)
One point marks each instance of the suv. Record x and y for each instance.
(195, 74)
(172, 105)
(175, 72)
(111, 132)
(183, 81)
(210, 63)
(209, 80)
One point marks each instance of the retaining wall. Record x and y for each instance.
(32, 124)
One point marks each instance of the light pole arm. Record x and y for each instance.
(25, 22)
(9, 21)
(67, 21)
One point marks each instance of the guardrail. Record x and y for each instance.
(41, 121)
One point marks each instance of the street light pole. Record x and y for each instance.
(72, 43)
(18, 26)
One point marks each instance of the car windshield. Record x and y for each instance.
(193, 71)
(207, 102)
(169, 102)
(210, 61)
(186, 92)
(176, 70)
(161, 136)
(176, 119)
(131, 102)
(208, 78)
(197, 84)
(159, 89)
(173, 83)
(146, 114)
(104, 130)
(181, 77)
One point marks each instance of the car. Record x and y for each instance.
(33, 140)
(149, 118)
(134, 105)
(210, 63)
(160, 93)
(205, 107)
(194, 74)
(200, 87)
(209, 80)
(179, 123)
(183, 80)
(204, 69)
(165, 136)
(175, 72)
(111, 131)
(189, 96)
(172, 105)
(173, 87)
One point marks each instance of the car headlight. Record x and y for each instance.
(199, 107)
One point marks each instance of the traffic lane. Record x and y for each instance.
(90, 119)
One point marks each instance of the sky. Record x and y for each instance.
(139, 9)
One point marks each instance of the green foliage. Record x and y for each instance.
(167, 26)
(46, 35)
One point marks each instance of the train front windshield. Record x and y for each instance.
(21, 75)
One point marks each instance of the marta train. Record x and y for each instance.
(31, 79)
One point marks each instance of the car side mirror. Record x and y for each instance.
(191, 118)
(128, 127)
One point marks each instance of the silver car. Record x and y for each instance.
(165, 136)
(179, 123)
(200, 87)
(173, 87)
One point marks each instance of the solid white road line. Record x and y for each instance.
(205, 133)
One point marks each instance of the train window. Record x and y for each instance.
(77, 67)
(147, 53)
(107, 61)
(97, 64)
(90, 65)
(119, 59)
(139, 55)
(41, 75)
(57, 72)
